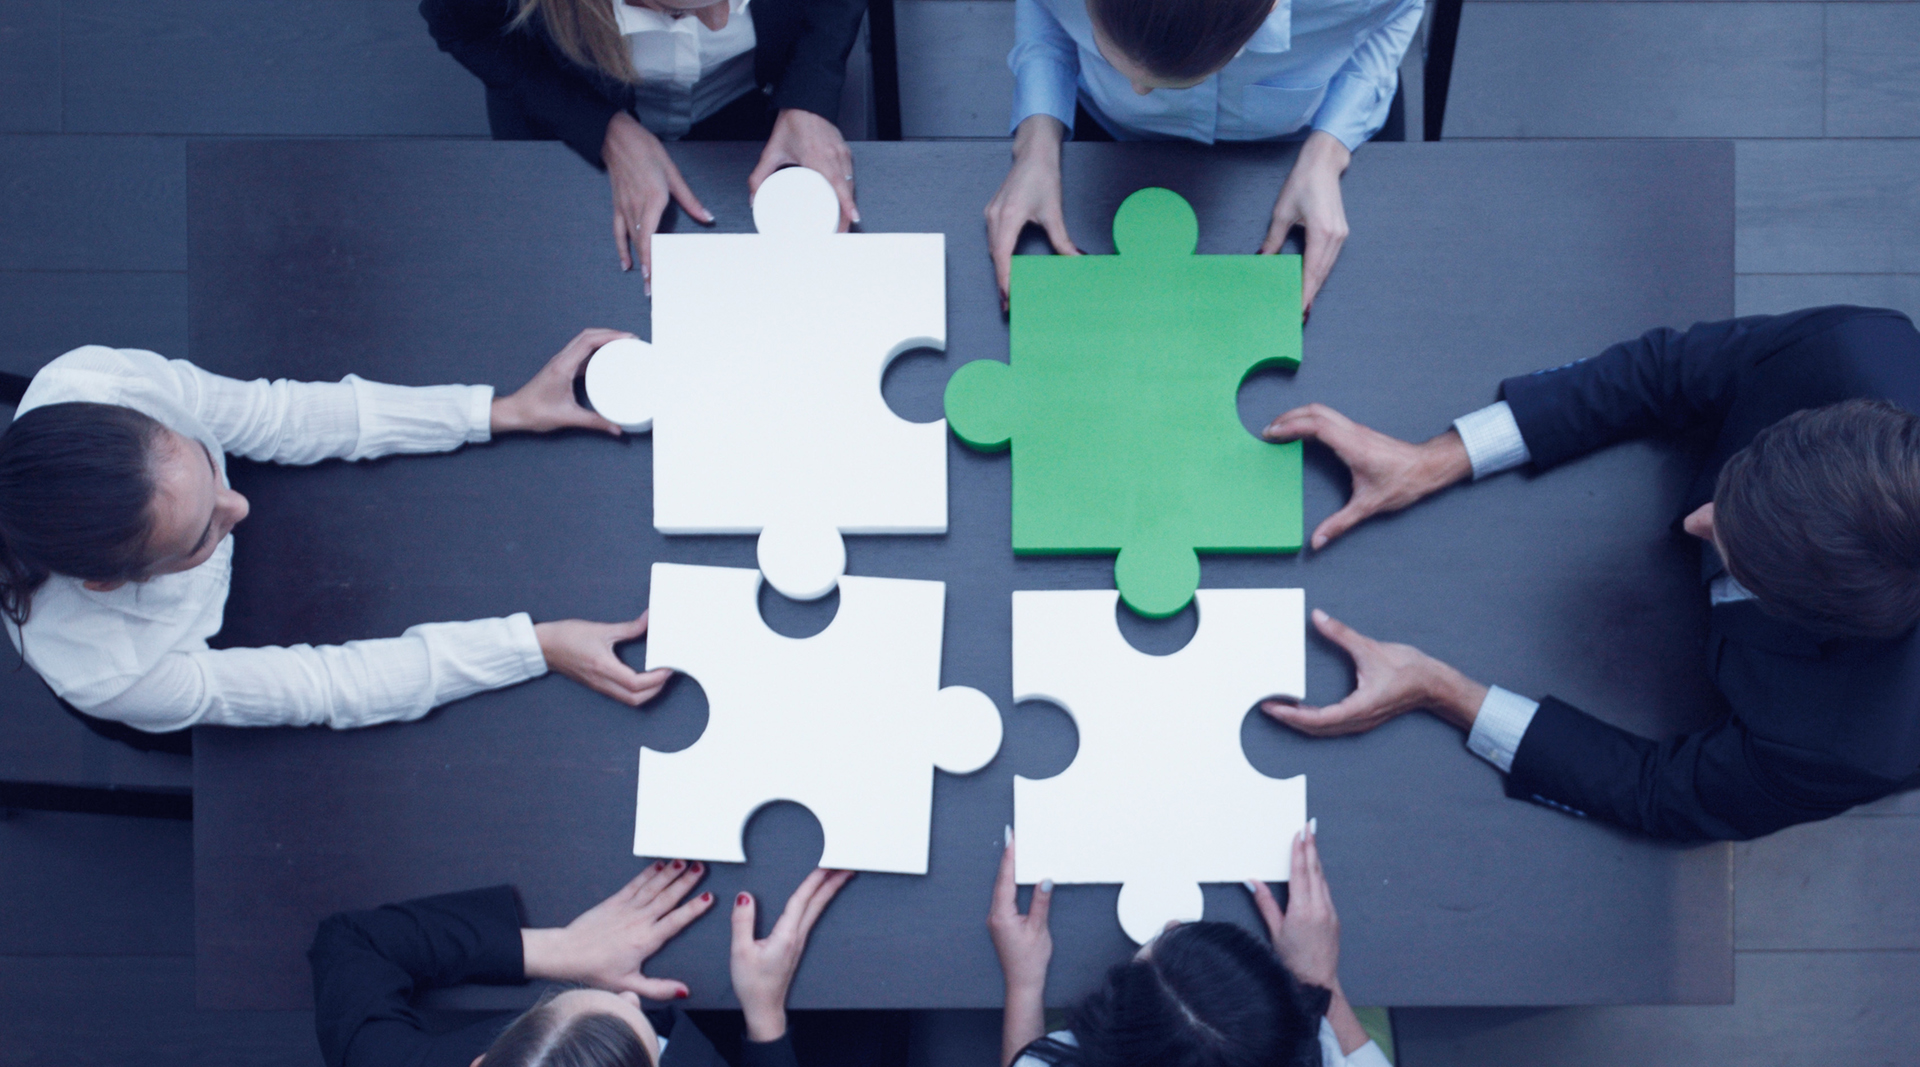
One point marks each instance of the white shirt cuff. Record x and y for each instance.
(1493, 440)
(1502, 722)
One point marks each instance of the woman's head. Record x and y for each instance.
(1173, 44)
(1205, 994)
(107, 495)
(587, 32)
(578, 1028)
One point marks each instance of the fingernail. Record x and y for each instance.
(1313, 827)
(1009, 838)
(657, 865)
(740, 901)
(677, 864)
(856, 216)
(646, 271)
(1252, 887)
(706, 898)
(1319, 616)
(1046, 885)
(698, 867)
(681, 995)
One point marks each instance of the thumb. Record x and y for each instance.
(744, 910)
(656, 988)
(1041, 904)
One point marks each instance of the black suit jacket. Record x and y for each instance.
(1815, 726)
(799, 59)
(369, 965)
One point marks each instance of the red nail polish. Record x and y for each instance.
(698, 867)
(706, 898)
(740, 901)
(677, 864)
(681, 995)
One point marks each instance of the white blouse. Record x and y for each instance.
(687, 72)
(1367, 1055)
(139, 654)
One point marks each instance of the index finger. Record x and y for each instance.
(1316, 262)
(1001, 241)
(1006, 894)
(1348, 638)
(797, 903)
(843, 188)
(821, 898)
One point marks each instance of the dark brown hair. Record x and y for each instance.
(1820, 517)
(546, 1037)
(1180, 40)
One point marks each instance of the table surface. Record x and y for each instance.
(428, 262)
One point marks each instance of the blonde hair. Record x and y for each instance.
(586, 32)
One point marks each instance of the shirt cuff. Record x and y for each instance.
(1493, 440)
(1498, 728)
(479, 414)
(1355, 108)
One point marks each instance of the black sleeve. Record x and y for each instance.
(367, 965)
(1663, 381)
(775, 1053)
(577, 104)
(817, 70)
(1720, 783)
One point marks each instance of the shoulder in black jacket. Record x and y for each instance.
(800, 60)
(368, 967)
(1816, 726)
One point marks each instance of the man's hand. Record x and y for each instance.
(608, 944)
(1388, 473)
(1307, 935)
(804, 139)
(1031, 194)
(1311, 200)
(763, 968)
(1390, 680)
(546, 402)
(583, 651)
(644, 179)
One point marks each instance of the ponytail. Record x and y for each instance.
(76, 482)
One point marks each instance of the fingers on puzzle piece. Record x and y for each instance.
(965, 731)
(1147, 905)
(796, 202)
(623, 383)
(802, 559)
(1157, 580)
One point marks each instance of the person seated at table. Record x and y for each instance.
(1199, 994)
(616, 78)
(116, 543)
(369, 966)
(1808, 516)
(1319, 71)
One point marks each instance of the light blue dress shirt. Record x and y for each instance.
(1313, 65)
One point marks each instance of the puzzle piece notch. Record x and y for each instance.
(850, 723)
(1160, 796)
(1120, 403)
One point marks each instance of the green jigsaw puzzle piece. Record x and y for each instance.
(1119, 401)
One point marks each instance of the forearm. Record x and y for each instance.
(1023, 1022)
(1452, 696)
(1038, 140)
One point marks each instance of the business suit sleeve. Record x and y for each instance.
(817, 69)
(574, 103)
(775, 1053)
(1722, 783)
(367, 965)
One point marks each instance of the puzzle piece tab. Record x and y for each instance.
(762, 384)
(1160, 796)
(1119, 403)
(849, 723)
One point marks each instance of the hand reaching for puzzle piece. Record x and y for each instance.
(609, 943)
(583, 651)
(1390, 680)
(1388, 473)
(547, 402)
(763, 968)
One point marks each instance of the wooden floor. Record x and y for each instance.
(97, 99)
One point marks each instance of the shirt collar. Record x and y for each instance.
(1275, 34)
(632, 20)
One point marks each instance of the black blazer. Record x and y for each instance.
(799, 59)
(1815, 727)
(367, 966)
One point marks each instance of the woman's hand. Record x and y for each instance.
(1388, 473)
(1307, 935)
(644, 179)
(763, 969)
(1389, 681)
(1031, 194)
(608, 944)
(1025, 947)
(583, 651)
(1311, 199)
(546, 402)
(804, 139)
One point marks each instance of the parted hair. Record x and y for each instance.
(546, 1037)
(1820, 518)
(76, 487)
(1181, 40)
(1208, 994)
(585, 31)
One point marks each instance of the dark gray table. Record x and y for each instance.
(430, 262)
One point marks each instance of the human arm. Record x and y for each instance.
(607, 945)
(1306, 935)
(547, 401)
(1361, 92)
(1025, 947)
(807, 92)
(1046, 66)
(1311, 199)
(1388, 474)
(368, 965)
(763, 968)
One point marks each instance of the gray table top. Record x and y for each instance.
(427, 262)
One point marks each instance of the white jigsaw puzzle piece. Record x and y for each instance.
(1160, 797)
(849, 723)
(762, 385)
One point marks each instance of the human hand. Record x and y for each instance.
(644, 179)
(1311, 199)
(1031, 194)
(546, 402)
(1388, 473)
(804, 139)
(1389, 681)
(583, 651)
(1023, 942)
(1307, 935)
(608, 944)
(763, 968)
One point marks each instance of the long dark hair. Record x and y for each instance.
(76, 481)
(543, 1037)
(1181, 40)
(1209, 994)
